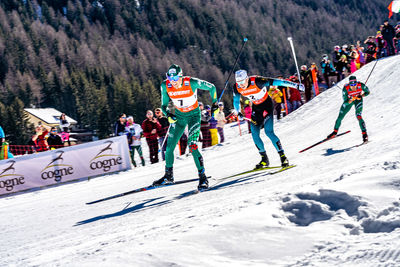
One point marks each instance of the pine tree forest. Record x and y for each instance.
(95, 59)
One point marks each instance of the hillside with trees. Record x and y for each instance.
(95, 59)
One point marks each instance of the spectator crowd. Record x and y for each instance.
(154, 129)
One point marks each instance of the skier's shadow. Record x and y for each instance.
(141, 206)
(147, 204)
(331, 151)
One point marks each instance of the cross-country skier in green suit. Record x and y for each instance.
(353, 94)
(182, 91)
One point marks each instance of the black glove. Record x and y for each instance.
(253, 119)
(214, 107)
(240, 116)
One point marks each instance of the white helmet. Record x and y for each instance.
(240, 75)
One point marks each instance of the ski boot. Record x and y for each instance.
(365, 137)
(142, 161)
(284, 160)
(168, 178)
(203, 181)
(264, 161)
(332, 134)
(134, 163)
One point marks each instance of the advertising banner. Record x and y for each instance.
(64, 164)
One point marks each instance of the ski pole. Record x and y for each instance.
(290, 39)
(234, 65)
(371, 71)
(250, 120)
(165, 138)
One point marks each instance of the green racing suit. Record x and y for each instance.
(351, 98)
(186, 115)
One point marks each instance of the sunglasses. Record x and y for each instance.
(353, 83)
(241, 83)
(173, 78)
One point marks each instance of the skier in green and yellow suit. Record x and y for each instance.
(182, 91)
(353, 94)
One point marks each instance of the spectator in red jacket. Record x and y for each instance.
(39, 139)
(295, 98)
(164, 129)
(150, 128)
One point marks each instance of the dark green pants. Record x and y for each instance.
(139, 150)
(192, 120)
(345, 108)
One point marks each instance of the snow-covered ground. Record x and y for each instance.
(339, 207)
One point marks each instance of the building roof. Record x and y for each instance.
(48, 115)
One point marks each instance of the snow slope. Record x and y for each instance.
(339, 206)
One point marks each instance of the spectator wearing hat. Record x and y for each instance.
(361, 56)
(150, 128)
(353, 56)
(205, 126)
(295, 98)
(213, 127)
(388, 33)
(306, 80)
(247, 112)
(336, 54)
(381, 44)
(345, 49)
(39, 140)
(135, 144)
(119, 125)
(54, 140)
(4, 149)
(221, 121)
(371, 49)
(163, 131)
(341, 67)
(276, 96)
(64, 126)
(397, 37)
(327, 70)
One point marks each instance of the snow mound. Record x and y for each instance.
(314, 207)
(387, 220)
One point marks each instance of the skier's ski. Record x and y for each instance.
(322, 141)
(363, 143)
(146, 188)
(256, 170)
(280, 169)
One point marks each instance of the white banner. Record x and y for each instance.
(64, 164)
